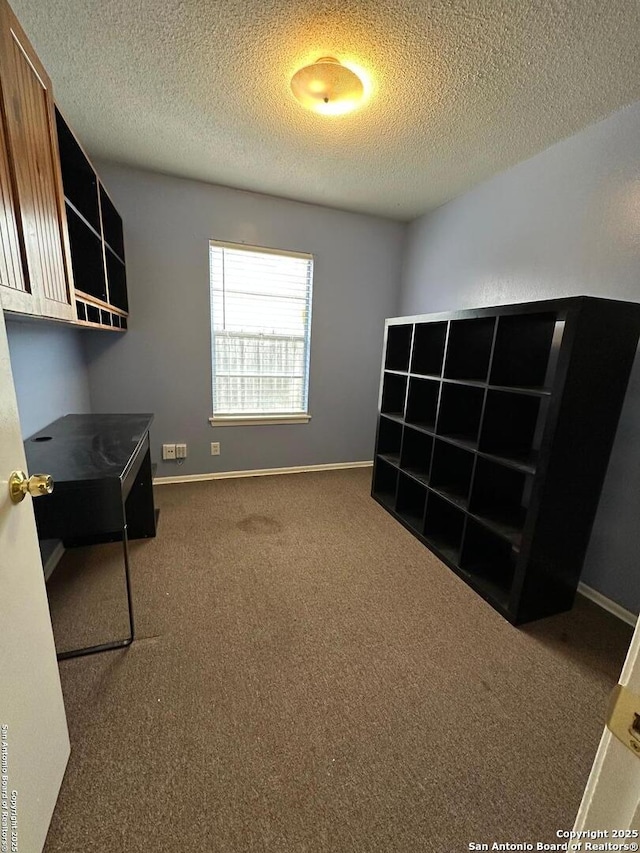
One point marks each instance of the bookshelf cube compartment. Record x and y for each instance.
(500, 498)
(522, 350)
(489, 561)
(443, 527)
(411, 501)
(422, 402)
(394, 390)
(398, 348)
(469, 349)
(460, 413)
(385, 480)
(512, 427)
(428, 348)
(416, 453)
(451, 472)
(389, 440)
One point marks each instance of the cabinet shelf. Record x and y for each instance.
(450, 495)
(520, 389)
(472, 383)
(70, 206)
(509, 529)
(460, 440)
(87, 259)
(481, 447)
(391, 458)
(398, 419)
(525, 462)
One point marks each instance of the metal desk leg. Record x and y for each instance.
(116, 644)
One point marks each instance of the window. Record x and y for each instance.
(260, 334)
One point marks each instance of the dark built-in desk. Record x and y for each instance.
(103, 488)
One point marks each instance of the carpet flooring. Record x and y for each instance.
(307, 677)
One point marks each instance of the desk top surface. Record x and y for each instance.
(86, 447)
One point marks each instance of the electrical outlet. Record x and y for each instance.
(181, 451)
(215, 448)
(168, 451)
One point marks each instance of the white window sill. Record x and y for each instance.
(257, 420)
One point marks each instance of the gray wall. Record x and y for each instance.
(566, 222)
(163, 363)
(49, 372)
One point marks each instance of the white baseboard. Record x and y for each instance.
(258, 472)
(607, 604)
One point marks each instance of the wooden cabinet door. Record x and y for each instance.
(15, 290)
(33, 154)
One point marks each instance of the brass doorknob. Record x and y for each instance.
(20, 484)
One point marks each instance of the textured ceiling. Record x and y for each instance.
(461, 88)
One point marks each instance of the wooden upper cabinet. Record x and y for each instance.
(30, 178)
(15, 292)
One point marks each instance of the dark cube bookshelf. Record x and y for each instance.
(495, 427)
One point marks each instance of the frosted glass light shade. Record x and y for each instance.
(327, 87)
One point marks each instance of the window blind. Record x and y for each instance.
(260, 329)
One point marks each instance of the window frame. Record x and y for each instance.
(262, 418)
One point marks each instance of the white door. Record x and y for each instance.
(611, 801)
(34, 742)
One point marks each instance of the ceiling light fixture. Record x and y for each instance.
(327, 87)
